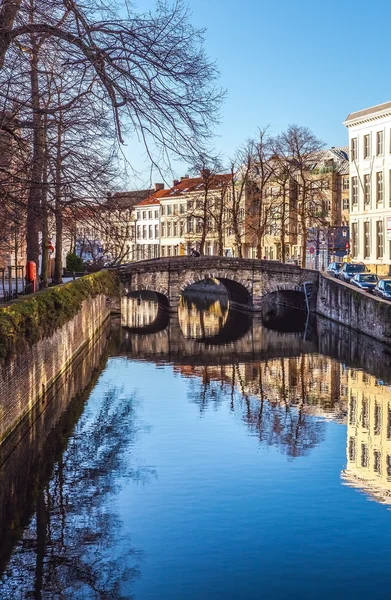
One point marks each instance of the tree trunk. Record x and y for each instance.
(303, 241)
(58, 208)
(35, 191)
(8, 12)
(45, 248)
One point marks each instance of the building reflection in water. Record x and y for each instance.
(139, 310)
(202, 317)
(369, 436)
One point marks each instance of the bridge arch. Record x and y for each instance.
(238, 291)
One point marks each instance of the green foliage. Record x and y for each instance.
(74, 262)
(30, 319)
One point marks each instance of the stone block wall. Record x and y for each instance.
(26, 378)
(358, 310)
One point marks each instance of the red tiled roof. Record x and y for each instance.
(152, 199)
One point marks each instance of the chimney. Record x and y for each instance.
(175, 182)
(159, 186)
(184, 177)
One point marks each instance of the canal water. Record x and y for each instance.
(207, 455)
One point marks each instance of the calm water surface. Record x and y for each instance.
(213, 458)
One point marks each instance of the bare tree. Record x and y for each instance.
(298, 150)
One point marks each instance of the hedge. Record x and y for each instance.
(30, 319)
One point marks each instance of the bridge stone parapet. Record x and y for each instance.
(247, 281)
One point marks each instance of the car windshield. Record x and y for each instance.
(355, 268)
(369, 277)
(387, 286)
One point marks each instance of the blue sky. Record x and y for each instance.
(287, 62)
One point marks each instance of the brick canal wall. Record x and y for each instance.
(26, 378)
(358, 310)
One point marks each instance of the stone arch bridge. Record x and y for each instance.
(248, 282)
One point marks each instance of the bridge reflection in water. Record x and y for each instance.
(285, 388)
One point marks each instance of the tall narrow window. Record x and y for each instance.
(367, 240)
(367, 190)
(353, 149)
(377, 461)
(364, 455)
(352, 449)
(377, 419)
(379, 188)
(379, 239)
(365, 413)
(150, 233)
(379, 143)
(354, 240)
(352, 411)
(355, 191)
(367, 146)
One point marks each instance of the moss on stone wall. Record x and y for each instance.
(27, 320)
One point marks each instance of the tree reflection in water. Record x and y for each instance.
(273, 397)
(72, 547)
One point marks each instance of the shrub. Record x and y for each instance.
(74, 262)
(27, 320)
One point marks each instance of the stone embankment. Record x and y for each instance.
(354, 308)
(41, 336)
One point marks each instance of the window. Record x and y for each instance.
(352, 411)
(377, 419)
(367, 190)
(181, 208)
(379, 188)
(379, 239)
(144, 232)
(156, 214)
(353, 149)
(149, 214)
(139, 231)
(364, 455)
(365, 414)
(189, 225)
(355, 191)
(163, 250)
(163, 230)
(376, 461)
(144, 215)
(156, 231)
(345, 185)
(181, 228)
(163, 209)
(190, 205)
(352, 449)
(367, 240)
(354, 240)
(367, 146)
(389, 188)
(138, 215)
(379, 143)
(175, 229)
(169, 209)
(150, 232)
(345, 203)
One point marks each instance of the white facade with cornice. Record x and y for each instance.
(370, 186)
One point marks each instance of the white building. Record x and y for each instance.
(147, 225)
(370, 186)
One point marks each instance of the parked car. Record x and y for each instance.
(349, 270)
(365, 281)
(334, 268)
(383, 289)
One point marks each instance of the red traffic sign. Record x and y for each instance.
(312, 250)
